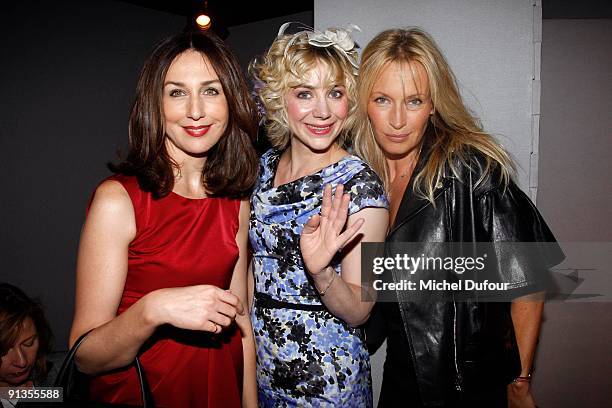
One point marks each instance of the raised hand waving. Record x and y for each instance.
(322, 236)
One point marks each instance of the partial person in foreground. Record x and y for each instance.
(447, 181)
(307, 295)
(162, 262)
(25, 341)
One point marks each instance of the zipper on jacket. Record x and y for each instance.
(458, 379)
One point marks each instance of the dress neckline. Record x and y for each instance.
(275, 159)
(188, 198)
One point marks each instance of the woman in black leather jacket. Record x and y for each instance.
(448, 181)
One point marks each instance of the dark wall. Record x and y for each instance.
(69, 70)
(250, 40)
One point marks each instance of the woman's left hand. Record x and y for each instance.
(519, 395)
(322, 236)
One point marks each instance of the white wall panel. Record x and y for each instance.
(488, 43)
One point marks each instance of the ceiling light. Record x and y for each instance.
(203, 21)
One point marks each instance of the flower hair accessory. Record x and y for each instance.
(339, 38)
(261, 108)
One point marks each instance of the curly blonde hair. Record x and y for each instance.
(455, 131)
(283, 67)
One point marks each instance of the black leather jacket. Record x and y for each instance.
(460, 346)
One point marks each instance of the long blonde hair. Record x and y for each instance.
(455, 131)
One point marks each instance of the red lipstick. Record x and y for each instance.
(196, 131)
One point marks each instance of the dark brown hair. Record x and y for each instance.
(15, 308)
(231, 165)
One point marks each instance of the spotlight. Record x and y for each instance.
(201, 18)
(203, 21)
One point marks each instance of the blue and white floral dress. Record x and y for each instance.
(305, 355)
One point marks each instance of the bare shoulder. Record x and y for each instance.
(112, 206)
(111, 193)
(245, 209)
(244, 215)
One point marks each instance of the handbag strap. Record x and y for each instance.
(145, 391)
(69, 365)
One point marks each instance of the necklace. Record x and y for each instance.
(412, 165)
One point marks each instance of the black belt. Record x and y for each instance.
(266, 301)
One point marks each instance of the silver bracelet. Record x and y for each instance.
(324, 291)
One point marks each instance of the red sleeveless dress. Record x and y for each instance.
(179, 242)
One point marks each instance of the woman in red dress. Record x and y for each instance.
(161, 271)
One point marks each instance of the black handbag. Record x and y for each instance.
(74, 383)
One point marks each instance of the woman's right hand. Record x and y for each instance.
(324, 234)
(202, 307)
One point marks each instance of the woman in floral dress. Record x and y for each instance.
(307, 295)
